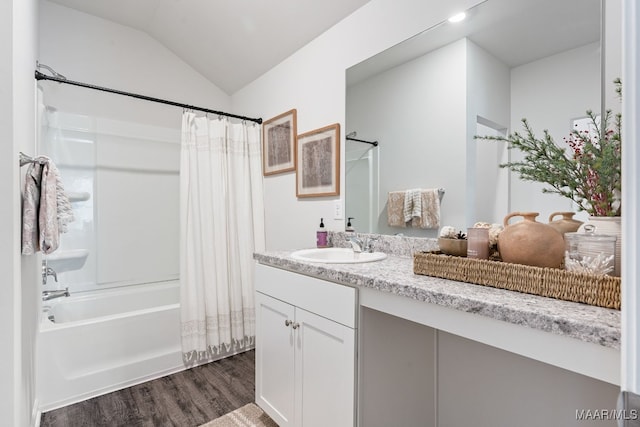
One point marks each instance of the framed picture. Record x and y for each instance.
(279, 143)
(318, 162)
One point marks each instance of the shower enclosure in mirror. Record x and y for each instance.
(361, 170)
(425, 99)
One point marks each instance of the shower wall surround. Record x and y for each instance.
(123, 180)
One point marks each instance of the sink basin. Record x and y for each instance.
(337, 256)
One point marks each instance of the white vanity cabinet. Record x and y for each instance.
(305, 349)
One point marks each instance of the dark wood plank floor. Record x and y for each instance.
(186, 399)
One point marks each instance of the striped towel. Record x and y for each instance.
(412, 204)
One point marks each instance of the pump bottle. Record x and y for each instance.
(321, 235)
(350, 228)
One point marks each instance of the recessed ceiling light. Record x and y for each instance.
(458, 17)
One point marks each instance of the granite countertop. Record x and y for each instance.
(395, 275)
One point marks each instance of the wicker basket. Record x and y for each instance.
(601, 291)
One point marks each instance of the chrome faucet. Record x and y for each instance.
(48, 271)
(364, 244)
(356, 243)
(49, 295)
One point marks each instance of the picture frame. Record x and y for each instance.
(318, 162)
(279, 135)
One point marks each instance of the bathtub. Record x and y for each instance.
(94, 343)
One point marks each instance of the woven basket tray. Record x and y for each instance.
(601, 291)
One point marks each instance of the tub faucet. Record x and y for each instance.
(48, 271)
(49, 295)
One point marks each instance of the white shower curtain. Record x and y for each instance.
(221, 224)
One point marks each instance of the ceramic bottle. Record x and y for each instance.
(566, 224)
(530, 242)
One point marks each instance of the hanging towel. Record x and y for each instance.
(46, 209)
(430, 213)
(30, 209)
(395, 209)
(412, 204)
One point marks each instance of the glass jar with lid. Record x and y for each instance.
(590, 252)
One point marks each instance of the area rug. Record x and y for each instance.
(249, 415)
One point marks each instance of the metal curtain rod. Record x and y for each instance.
(374, 143)
(41, 76)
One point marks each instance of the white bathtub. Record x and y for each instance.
(107, 340)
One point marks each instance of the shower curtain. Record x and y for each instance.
(222, 223)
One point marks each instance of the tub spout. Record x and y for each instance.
(49, 295)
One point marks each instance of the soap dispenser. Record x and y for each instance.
(350, 228)
(321, 235)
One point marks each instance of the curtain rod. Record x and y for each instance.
(374, 143)
(41, 76)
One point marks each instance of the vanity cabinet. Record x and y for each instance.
(305, 349)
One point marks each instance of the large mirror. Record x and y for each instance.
(424, 100)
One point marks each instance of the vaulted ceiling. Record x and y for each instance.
(230, 42)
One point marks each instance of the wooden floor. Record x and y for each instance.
(186, 399)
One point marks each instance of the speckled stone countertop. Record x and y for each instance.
(395, 275)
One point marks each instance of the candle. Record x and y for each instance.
(478, 245)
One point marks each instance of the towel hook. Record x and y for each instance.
(24, 159)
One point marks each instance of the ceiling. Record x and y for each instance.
(230, 42)
(514, 31)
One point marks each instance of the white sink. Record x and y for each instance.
(337, 256)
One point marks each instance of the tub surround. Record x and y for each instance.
(394, 275)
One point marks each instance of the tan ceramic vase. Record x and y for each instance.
(566, 224)
(530, 242)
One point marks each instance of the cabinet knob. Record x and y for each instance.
(295, 325)
(287, 322)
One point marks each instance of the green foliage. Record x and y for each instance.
(588, 173)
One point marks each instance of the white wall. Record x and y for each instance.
(548, 92)
(133, 156)
(313, 81)
(424, 112)
(613, 53)
(487, 103)
(18, 305)
(93, 50)
(417, 111)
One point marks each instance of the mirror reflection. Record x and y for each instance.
(425, 99)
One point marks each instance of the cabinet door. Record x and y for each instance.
(275, 359)
(325, 372)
